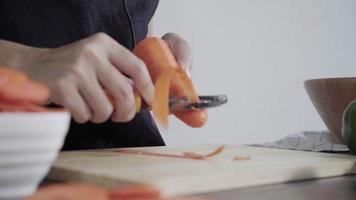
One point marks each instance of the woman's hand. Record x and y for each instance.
(78, 73)
(181, 51)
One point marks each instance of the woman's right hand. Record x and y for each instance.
(78, 73)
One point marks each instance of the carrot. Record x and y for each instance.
(21, 106)
(72, 191)
(201, 156)
(159, 58)
(184, 155)
(134, 192)
(8, 74)
(16, 86)
(148, 153)
(138, 100)
(242, 158)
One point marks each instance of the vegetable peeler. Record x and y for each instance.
(181, 104)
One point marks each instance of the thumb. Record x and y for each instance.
(181, 50)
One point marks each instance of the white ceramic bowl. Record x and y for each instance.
(29, 143)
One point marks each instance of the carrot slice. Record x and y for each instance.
(148, 153)
(186, 85)
(184, 155)
(201, 156)
(242, 158)
(160, 103)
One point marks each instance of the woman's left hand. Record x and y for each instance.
(181, 50)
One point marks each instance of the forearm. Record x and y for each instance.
(15, 55)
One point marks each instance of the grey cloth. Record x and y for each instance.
(316, 141)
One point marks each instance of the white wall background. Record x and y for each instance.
(259, 53)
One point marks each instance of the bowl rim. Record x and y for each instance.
(333, 78)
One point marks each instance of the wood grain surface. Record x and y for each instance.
(330, 97)
(177, 176)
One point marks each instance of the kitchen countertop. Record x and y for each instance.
(343, 187)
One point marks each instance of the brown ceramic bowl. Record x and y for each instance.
(330, 97)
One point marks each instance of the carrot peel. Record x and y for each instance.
(184, 155)
(159, 58)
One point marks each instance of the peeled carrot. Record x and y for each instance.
(16, 86)
(159, 58)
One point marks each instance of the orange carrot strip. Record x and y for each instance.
(160, 103)
(185, 155)
(242, 158)
(147, 153)
(187, 85)
(201, 156)
(158, 57)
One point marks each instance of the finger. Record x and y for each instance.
(97, 100)
(129, 64)
(74, 102)
(122, 91)
(181, 50)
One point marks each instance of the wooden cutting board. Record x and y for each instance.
(176, 176)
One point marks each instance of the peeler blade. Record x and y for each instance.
(181, 104)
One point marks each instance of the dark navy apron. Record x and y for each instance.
(54, 23)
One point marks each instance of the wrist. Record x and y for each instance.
(17, 56)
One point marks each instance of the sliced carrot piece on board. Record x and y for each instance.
(184, 155)
(242, 158)
(148, 153)
(201, 156)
